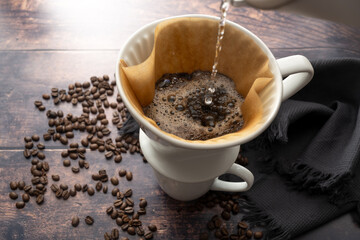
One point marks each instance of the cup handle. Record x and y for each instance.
(298, 72)
(240, 171)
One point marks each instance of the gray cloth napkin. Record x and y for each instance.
(306, 164)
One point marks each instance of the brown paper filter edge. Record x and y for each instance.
(188, 44)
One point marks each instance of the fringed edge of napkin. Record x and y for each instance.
(255, 216)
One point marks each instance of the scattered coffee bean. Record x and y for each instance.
(75, 169)
(25, 197)
(115, 234)
(143, 203)
(89, 220)
(152, 227)
(122, 172)
(21, 185)
(55, 177)
(66, 163)
(13, 185)
(77, 187)
(148, 235)
(243, 225)
(129, 175)
(35, 137)
(29, 145)
(258, 235)
(128, 193)
(118, 158)
(40, 199)
(13, 195)
(64, 186)
(114, 181)
(75, 221)
(20, 205)
(90, 191)
(105, 189)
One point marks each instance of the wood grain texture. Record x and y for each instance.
(46, 44)
(89, 25)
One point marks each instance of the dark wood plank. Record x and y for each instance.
(70, 25)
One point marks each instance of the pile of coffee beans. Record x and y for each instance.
(94, 97)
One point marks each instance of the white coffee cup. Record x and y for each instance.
(186, 170)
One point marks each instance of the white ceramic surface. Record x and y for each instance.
(188, 170)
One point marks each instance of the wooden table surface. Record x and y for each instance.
(45, 44)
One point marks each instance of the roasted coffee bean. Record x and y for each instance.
(13, 195)
(77, 187)
(115, 191)
(64, 154)
(258, 235)
(143, 203)
(114, 181)
(63, 140)
(119, 195)
(66, 195)
(13, 185)
(129, 175)
(109, 154)
(98, 186)
(128, 193)
(40, 146)
(38, 103)
(29, 145)
(40, 186)
(25, 197)
(55, 177)
(66, 163)
(27, 153)
(114, 214)
(35, 137)
(141, 211)
(74, 145)
(27, 139)
(20, 205)
(46, 96)
(59, 193)
(47, 136)
(64, 186)
(152, 227)
(122, 172)
(40, 199)
(115, 234)
(105, 189)
(54, 187)
(90, 191)
(225, 215)
(129, 201)
(41, 155)
(243, 225)
(85, 142)
(21, 185)
(89, 220)
(73, 156)
(101, 148)
(93, 146)
(148, 235)
(72, 192)
(75, 221)
(249, 233)
(109, 210)
(75, 169)
(27, 188)
(119, 221)
(131, 230)
(118, 203)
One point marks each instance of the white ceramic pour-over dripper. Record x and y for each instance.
(187, 170)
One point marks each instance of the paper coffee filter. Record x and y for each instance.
(188, 44)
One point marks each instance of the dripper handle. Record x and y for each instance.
(298, 72)
(240, 171)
